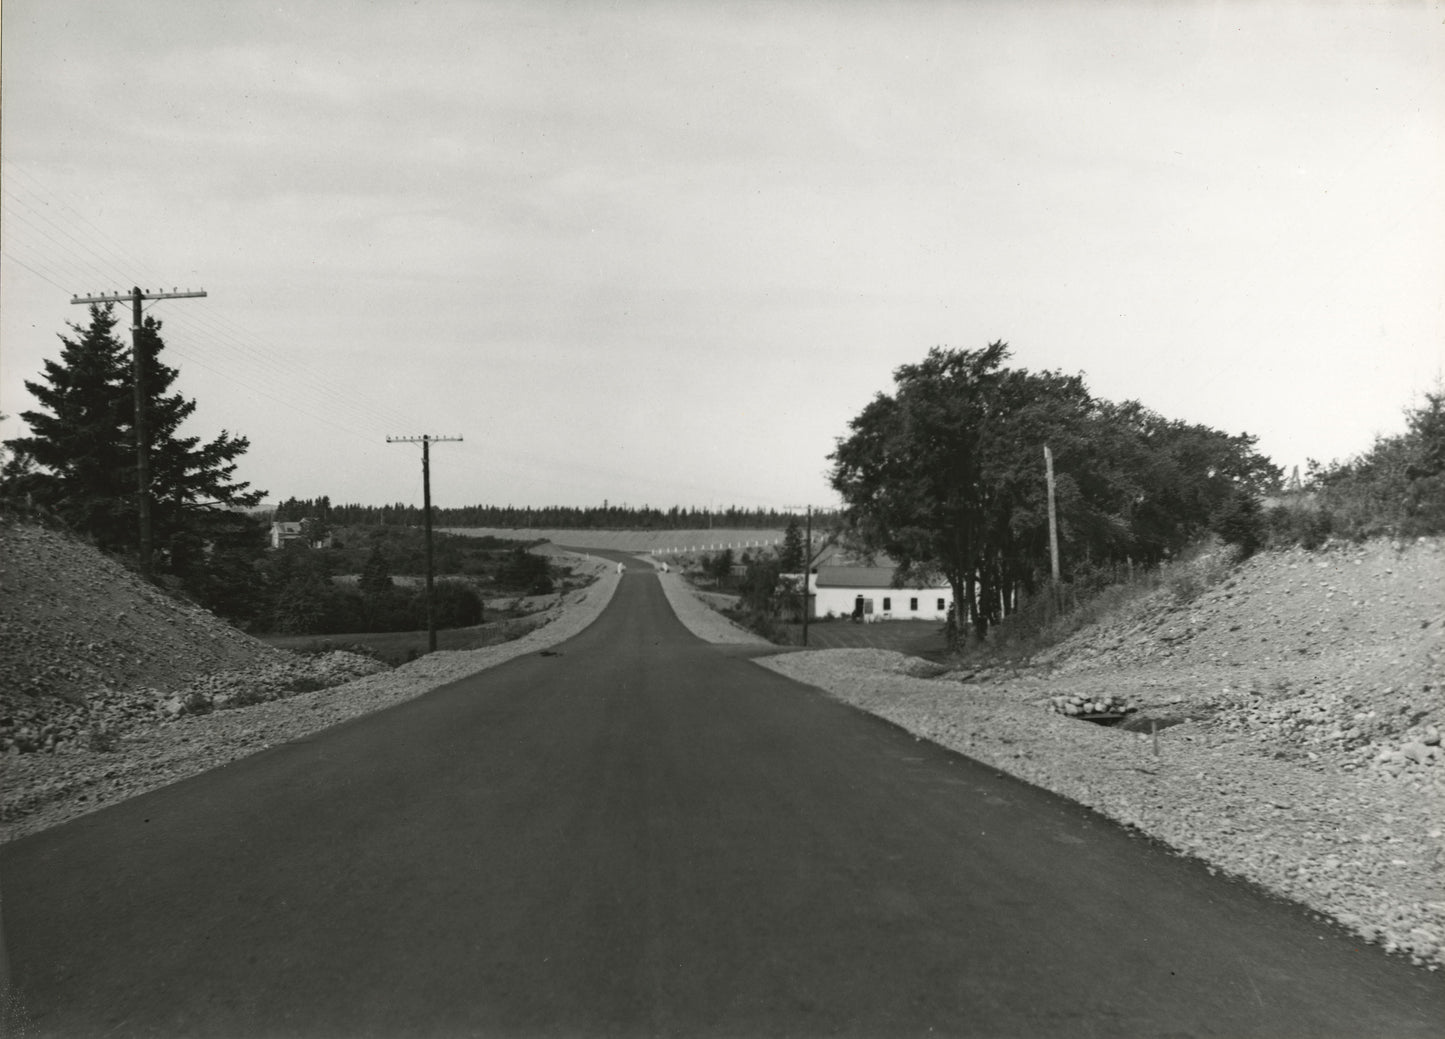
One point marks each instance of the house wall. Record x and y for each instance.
(840, 600)
(284, 532)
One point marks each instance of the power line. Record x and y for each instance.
(82, 262)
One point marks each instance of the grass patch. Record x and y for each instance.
(915, 638)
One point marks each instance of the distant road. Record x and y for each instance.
(641, 834)
(634, 540)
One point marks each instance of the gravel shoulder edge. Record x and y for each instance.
(1293, 832)
(701, 619)
(1264, 821)
(75, 784)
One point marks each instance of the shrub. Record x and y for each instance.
(1299, 522)
(1239, 522)
(456, 604)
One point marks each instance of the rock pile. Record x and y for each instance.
(73, 620)
(1418, 757)
(97, 719)
(1091, 706)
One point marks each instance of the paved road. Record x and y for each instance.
(646, 835)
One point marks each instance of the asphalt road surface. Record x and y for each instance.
(646, 835)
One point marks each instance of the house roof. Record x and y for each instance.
(861, 577)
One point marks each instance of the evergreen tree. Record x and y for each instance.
(79, 460)
(376, 574)
(791, 554)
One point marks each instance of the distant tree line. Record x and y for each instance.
(557, 517)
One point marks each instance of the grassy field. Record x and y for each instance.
(916, 638)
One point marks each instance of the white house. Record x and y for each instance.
(868, 592)
(283, 531)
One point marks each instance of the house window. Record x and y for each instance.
(941, 606)
(887, 604)
(912, 605)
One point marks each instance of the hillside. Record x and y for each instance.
(72, 621)
(1374, 611)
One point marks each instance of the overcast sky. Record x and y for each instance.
(662, 252)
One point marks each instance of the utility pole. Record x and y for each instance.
(137, 377)
(426, 441)
(1053, 523)
(808, 560)
(807, 571)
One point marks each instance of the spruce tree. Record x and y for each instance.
(79, 461)
(376, 573)
(791, 554)
(81, 451)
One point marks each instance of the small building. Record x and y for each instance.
(284, 532)
(868, 592)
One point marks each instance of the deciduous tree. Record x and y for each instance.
(946, 476)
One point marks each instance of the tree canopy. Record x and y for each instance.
(1397, 487)
(946, 476)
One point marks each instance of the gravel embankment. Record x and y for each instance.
(1355, 846)
(1309, 765)
(43, 789)
(700, 619)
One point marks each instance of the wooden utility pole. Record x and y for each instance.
(1053, 523)
(808, 560)
(807, 572)
(137, 376)
(426, 441)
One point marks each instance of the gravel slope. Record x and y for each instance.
(149, 745)
(1309, 762)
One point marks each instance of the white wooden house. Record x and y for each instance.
(286, 531)
(868, 592)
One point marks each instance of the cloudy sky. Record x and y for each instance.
(662, 252)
